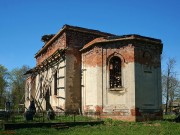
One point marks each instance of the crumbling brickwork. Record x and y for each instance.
(58, 43)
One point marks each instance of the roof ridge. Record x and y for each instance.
(86, 29)
(70, 27)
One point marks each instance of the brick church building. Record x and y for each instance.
(88, 71)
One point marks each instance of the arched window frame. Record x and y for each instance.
(122, 62)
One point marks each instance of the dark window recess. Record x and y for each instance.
(50, 91)
(41, 89)
(27, 92)
(55, 83)
(115, 72)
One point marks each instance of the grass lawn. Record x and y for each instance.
(109, 128)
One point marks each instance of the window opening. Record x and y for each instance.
(115, 72)
(55, 83)
(27, 91)
(41, 88)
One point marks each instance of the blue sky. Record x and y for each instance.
(23, 22)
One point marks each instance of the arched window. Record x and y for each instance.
(115, 72)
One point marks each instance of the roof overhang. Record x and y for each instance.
(121, 38)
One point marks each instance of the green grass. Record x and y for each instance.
(71, 118)
(41, 118)
(115, 128)
(169, 117)
(110, 127)
(66, 118)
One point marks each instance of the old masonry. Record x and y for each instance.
(88, 71)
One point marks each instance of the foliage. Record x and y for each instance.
(3, 84)
(170, 84)
(17, 83)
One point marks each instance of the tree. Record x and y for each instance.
(3, 84)
(17, 80)
(170, 84)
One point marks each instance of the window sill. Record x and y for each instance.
(117, 89)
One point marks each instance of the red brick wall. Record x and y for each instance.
(57, 44)
(129, 52)
(94, 56)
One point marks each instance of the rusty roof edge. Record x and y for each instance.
(80, 29)
(124, 37)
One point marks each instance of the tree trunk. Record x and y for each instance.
(167, 94)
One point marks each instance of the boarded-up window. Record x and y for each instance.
(115, 72)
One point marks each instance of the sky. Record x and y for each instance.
(24, 22)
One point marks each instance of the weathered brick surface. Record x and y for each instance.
(135, 114)
(128, 52)
(59, 43)
(74, 41)
(94, 56)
